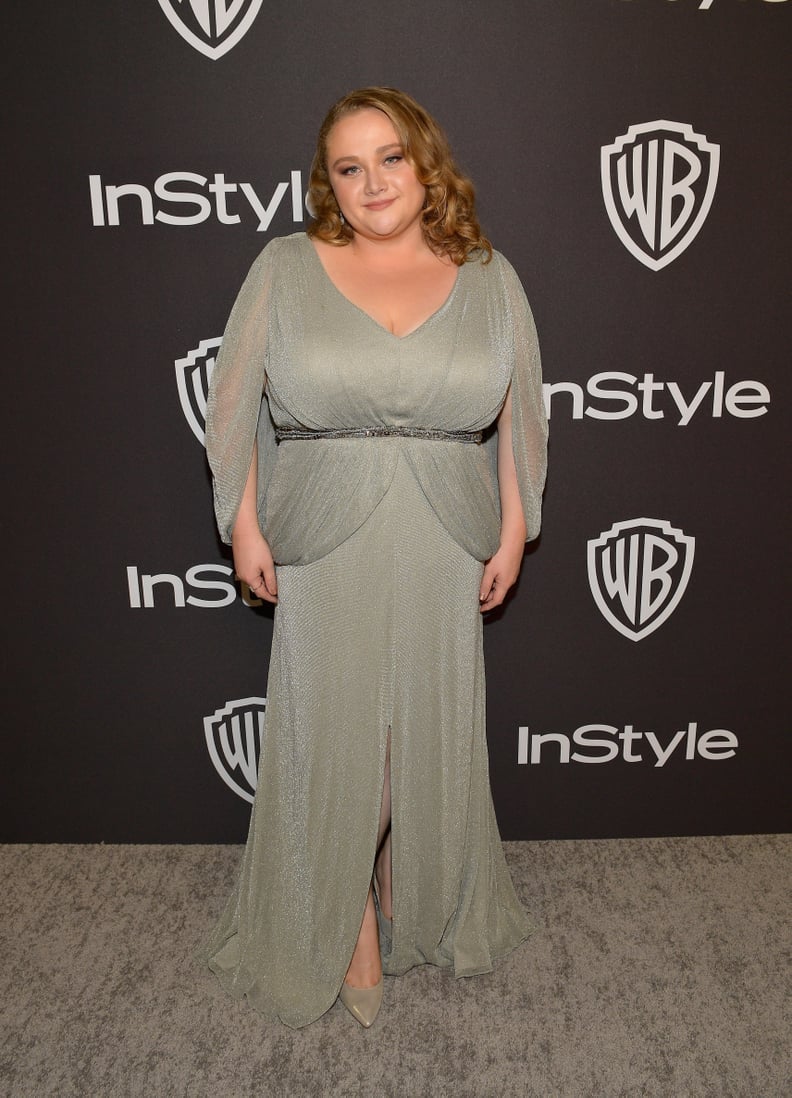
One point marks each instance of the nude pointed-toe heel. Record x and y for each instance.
(363, 1003)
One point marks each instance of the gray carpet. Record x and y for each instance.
(660, 967)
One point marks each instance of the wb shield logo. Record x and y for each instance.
(193, 374)
(212, 27)
(638, 571)
(233, 736)
(658, 182)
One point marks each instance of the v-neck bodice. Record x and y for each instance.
(329, 366)
(336, 367)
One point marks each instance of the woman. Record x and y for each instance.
(381, 494)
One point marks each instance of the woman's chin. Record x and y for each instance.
(383, 228)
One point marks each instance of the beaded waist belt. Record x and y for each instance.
(283, 434)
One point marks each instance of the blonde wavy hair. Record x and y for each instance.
(449, 220)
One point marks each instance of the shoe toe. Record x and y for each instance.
(363, 1003)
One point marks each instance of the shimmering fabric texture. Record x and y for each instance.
(379, 542)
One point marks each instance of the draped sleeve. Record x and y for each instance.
(529, 421)
(236, 412)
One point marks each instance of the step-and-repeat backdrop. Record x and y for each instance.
(632, 161)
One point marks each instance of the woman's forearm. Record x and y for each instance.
(247, 516)
(513, 529)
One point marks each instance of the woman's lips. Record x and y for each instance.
(382, 205)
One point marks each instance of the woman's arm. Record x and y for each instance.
(502, 569)
(235, 418)
(252, 556)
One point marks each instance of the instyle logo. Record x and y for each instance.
(616, 394)
(602, 743)
(184, 199)
(658, 182)
(638, 571)
(234, 736)
(212, 27)
(193, 374)
(204, 586)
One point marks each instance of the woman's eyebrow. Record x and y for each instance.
(380, 149)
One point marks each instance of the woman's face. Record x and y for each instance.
(376, 188)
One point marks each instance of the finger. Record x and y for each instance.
(496, 593)
(487, 601)
(487, 581)
(270, 579)
(260, 590)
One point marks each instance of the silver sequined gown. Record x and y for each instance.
(379, 544)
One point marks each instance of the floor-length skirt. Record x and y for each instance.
(384, 633)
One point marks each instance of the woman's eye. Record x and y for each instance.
(350, 170)
(393, 159)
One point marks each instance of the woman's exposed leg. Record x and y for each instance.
(365, 968)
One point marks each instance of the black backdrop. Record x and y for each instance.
(112, 684)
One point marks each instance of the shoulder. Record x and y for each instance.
(506, 294)
(504, 269)
(495, 268)
(273, 264)
(281, 249)
(498, 276)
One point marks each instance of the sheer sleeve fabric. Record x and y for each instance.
(236, 413)
(529, 421)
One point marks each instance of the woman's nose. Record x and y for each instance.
(374, 183)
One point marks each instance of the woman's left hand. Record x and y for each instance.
(500, 573)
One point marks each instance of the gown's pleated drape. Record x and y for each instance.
(377, 626)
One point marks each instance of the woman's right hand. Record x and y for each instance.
(254, 564)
